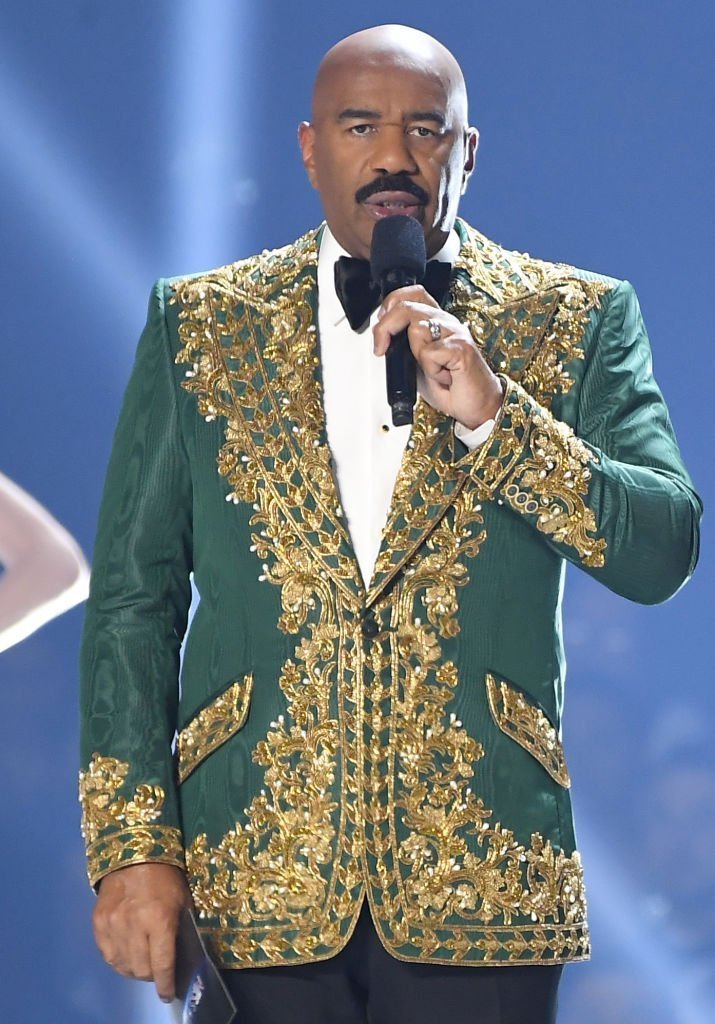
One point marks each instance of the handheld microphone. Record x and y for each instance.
(398, 258)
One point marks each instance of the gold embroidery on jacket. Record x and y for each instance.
(213, 725)
(497, 273)
(490, 879)
(542, 469)
(269, 868)
(552, 484)
(419, 769)
(528, 726)
(426, 485)
(262, 892)
(562, 338)
(247, 331)
(530, 317)
(120, 831)
(282, 886)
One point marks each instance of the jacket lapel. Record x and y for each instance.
(257, 366)
(528, 318)
(428, 481)
(289, 352)
(426, 485)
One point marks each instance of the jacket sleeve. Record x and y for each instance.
(610, 495)
(135, 620)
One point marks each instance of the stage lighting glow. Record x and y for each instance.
(64, 196)
(209, 119)
(617, 913)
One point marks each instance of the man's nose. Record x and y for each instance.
(392, 153)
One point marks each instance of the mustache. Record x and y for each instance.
(391, 183)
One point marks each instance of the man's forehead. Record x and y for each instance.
(383, 88)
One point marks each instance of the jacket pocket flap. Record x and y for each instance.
(213, 725)
(519, 717)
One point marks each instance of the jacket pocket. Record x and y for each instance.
(523, 720)
(213, 725)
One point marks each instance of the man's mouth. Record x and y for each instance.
(386, 204)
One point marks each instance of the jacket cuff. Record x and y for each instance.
(537, 466)
(120, 829)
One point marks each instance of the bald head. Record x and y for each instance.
(398, 46)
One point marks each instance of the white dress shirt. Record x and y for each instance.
(367, 449)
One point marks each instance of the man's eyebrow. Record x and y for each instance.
(428, 115)
(353, 113)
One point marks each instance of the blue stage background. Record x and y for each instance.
(140, 140)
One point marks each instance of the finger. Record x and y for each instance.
(435, 371)
(398, 317)
(440, 358)
(104, 940)
(433, 331)
(109, 956)
(162, 951)
(139, 961)
(432, 339)
(411, 293)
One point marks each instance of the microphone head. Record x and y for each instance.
(398, 243)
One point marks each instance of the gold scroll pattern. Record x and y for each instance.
(427, 485)
(213, 726)
(262, 892)
(269, 867)
(242, 327)
(542, 469)
(118, 831)
(460, 887)
(283, 885)
(279, 887)
(527, 724)
(529, 316)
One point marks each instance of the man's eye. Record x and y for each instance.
(360, 129)
(421, 131)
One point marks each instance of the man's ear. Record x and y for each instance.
(306, 141)
(470, 155)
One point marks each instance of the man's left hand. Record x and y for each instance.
(453, 376)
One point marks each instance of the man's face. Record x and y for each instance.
(387, 139)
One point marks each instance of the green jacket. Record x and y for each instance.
(401, 742)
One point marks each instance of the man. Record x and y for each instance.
(369, 796)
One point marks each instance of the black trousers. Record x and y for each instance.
(363, 984)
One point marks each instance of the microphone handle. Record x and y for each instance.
(401, 374)
(400, 364)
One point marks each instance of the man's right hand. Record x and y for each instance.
(135, 921)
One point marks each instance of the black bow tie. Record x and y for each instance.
(359, 294)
